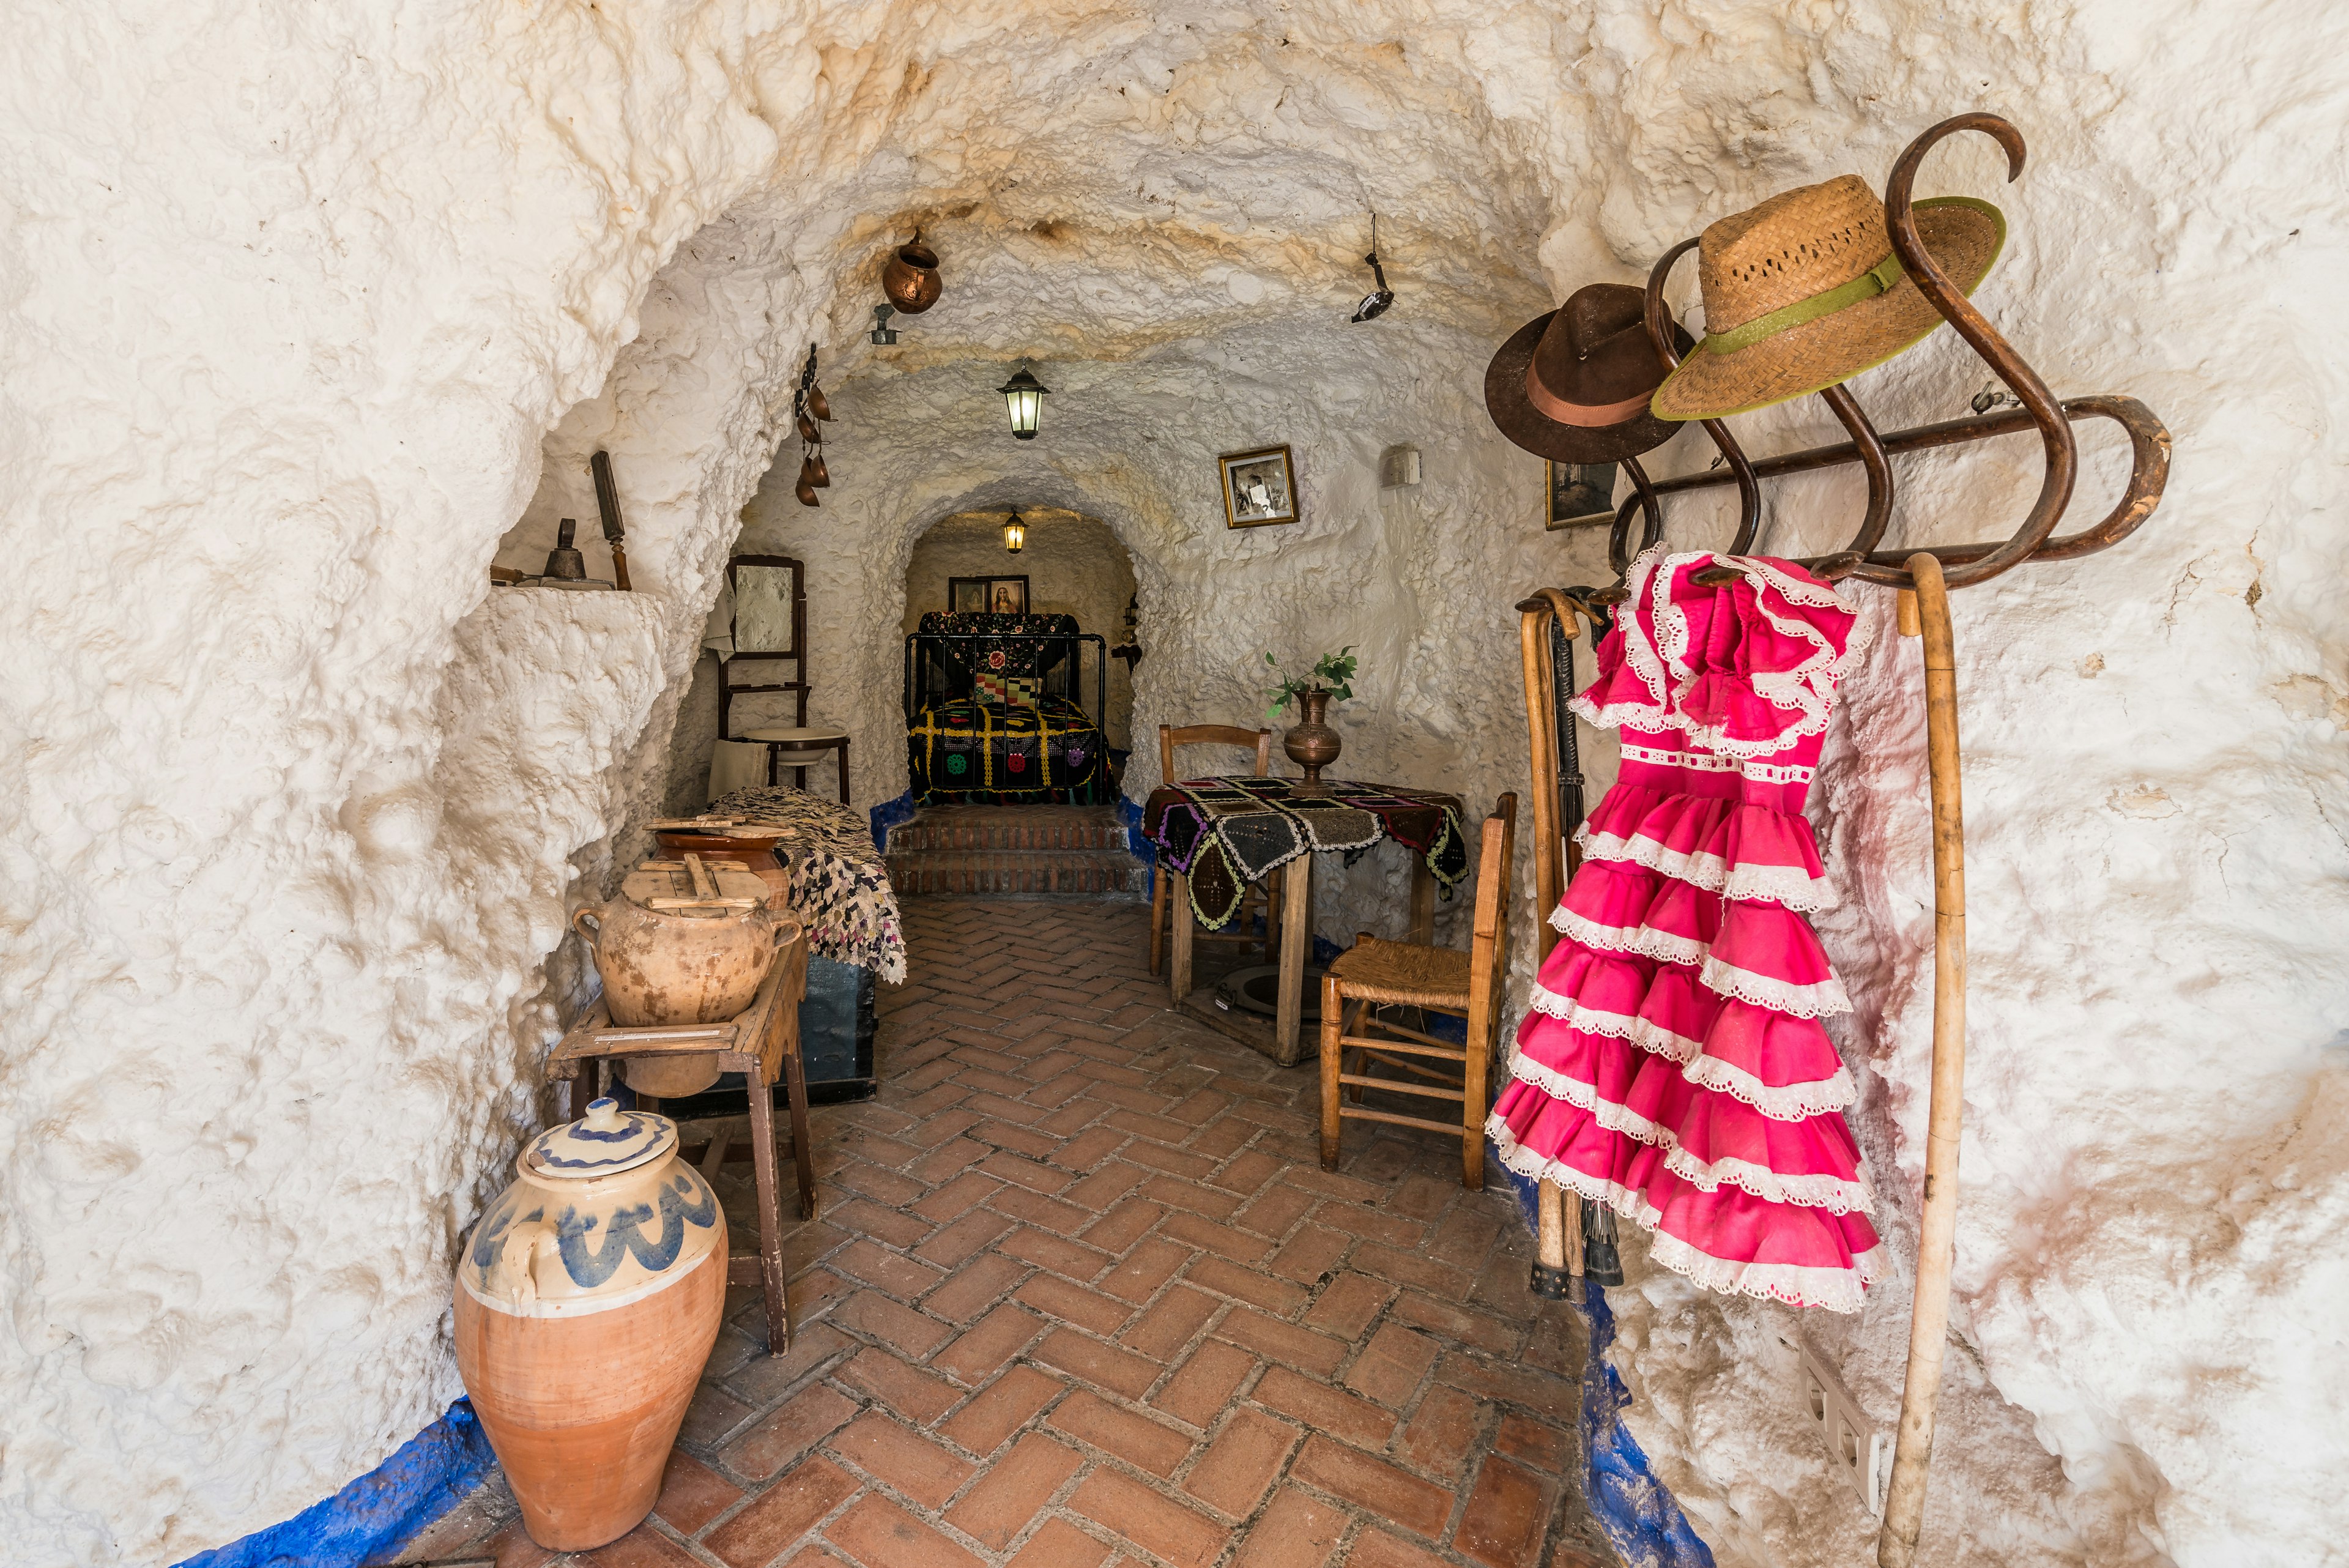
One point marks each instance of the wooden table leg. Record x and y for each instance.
(1422, 900)
(802, 1155)
(771, 1218)
(1296, 947)
(843, 770)
(1275, 891)
(1178, 910)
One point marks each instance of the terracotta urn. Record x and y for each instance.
(692, 965)
(588, 1300)
(1311, 744)
(910, 279)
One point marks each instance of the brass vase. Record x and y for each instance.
(1311, 744)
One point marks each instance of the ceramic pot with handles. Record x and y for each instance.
(588, 1300)
(700, 964)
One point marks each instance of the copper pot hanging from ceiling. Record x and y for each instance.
(805, 489)
(807, 428)
(910, 279)
(816, 404)
(818, 474)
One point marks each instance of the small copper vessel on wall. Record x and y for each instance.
(910, 279)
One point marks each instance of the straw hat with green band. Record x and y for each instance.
(1805, 291)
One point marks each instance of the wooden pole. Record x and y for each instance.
(1560, 1235)
(1541, 725)
(1928, 1318)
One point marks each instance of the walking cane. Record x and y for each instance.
(1926, 610)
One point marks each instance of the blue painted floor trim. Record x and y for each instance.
(430, 1474)
(1638, 1514)
(888, 815)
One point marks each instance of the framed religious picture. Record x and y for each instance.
(1259, 487)
(1578, 495)
(987, 595)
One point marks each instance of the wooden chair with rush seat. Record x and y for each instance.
(1374, 974)
(1252, 899)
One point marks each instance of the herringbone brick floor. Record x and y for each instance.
(1082, 1294)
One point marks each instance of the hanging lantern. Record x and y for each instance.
(1023, 395)
(1015, 533)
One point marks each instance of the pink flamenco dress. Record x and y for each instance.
(1672, 1065)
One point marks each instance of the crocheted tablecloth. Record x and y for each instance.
(1224, 832)
(840, 888)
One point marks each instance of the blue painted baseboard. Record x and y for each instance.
(888, 815)
(431, 1473)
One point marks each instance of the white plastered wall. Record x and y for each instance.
(293, 806)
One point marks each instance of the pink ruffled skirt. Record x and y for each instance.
(1674, 1065)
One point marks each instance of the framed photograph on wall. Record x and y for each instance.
(987, 595)
(1578, 495)
(1259, 487)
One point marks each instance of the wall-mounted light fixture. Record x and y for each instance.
(1015, 533)
(1374, 304)
(1023, 398)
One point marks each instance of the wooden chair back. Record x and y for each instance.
(1488, 958)
(1171, 736)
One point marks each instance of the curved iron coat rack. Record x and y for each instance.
(1923, 575)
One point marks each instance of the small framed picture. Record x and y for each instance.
(1259, 487)
(987, 595)
(1580, 495)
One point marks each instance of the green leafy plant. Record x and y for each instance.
(1333, 672)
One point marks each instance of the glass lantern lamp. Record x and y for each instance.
(1023, 398)
(1015, 532)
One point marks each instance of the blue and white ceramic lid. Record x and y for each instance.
(604, 1142)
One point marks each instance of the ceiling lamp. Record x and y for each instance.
(1023, 395)
(1015, 532)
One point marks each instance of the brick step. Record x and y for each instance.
(1034, 874)
(1000, 828)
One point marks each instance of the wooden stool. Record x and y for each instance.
(761, 1044)
(796, 748)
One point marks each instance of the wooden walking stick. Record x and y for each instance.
(1926, 610)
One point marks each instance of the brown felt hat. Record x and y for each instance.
(1573, 385)
(1803, 291)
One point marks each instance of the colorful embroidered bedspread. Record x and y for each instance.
(840, 888)
(1223, 833)
(983, 754)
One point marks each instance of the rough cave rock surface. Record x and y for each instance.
(310, 314)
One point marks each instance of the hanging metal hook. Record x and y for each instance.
(2063, 452)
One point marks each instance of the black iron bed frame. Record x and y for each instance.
(930, 677)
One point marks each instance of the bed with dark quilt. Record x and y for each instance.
(992, 716)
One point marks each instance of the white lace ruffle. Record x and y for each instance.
(1645, 1033)
(1783, 996)
(1779, 1102)
(1837, 1290)
(1585, 1097)
(1809, 1191)
(1789, 887)
(1816, 1190)
(1664, 947)
(1710, 762)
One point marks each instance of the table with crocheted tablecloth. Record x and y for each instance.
(1213, 834)
(840, 886)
